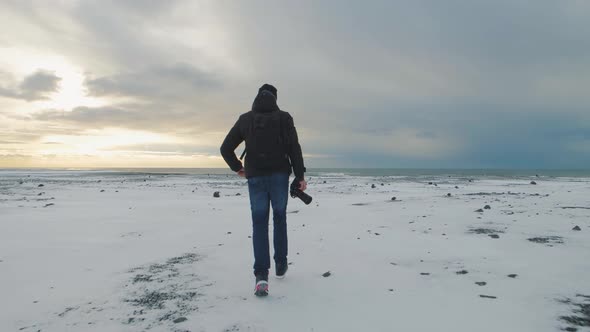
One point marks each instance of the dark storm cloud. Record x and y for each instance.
(490, 135)
(475, 50)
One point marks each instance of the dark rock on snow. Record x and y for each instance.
(577, 228)
(488, 297)
(487, 207)
(216, 194)
(479, 210)
(179, 320)
(481, 283)
(327, 274)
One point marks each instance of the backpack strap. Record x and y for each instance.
(249, 134)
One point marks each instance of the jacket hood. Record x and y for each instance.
(265, 102)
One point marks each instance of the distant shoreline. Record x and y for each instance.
(370, 172)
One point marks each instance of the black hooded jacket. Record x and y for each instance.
(264, 102)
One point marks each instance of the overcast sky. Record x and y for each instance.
(429, 84)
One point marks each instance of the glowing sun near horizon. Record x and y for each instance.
(69, 145)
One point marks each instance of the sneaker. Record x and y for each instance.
(261, 288)
(281, 269)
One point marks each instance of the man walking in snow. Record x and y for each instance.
(272, 150)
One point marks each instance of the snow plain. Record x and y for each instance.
(99, 251)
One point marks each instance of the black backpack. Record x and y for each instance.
(265, 141)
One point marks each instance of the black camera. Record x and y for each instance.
(296, 192)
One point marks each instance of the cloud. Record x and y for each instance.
(162, 118)
(164, 83)
(202, 149)
(19, 136)
(11, 142)
(36, 86)
(92, 117)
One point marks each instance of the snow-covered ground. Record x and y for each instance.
(87, 251)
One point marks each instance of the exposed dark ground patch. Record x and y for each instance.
(66, 310)
(509, 193)
(486, 231)
(164, 293)
(232, 328)
(159, 295)
(131, 234)
(493, 193)
(547, 240)
(158, 299)
(580, 312)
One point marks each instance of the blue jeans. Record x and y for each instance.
(265, 190)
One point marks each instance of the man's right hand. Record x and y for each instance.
(241, 173)
(302, 185)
